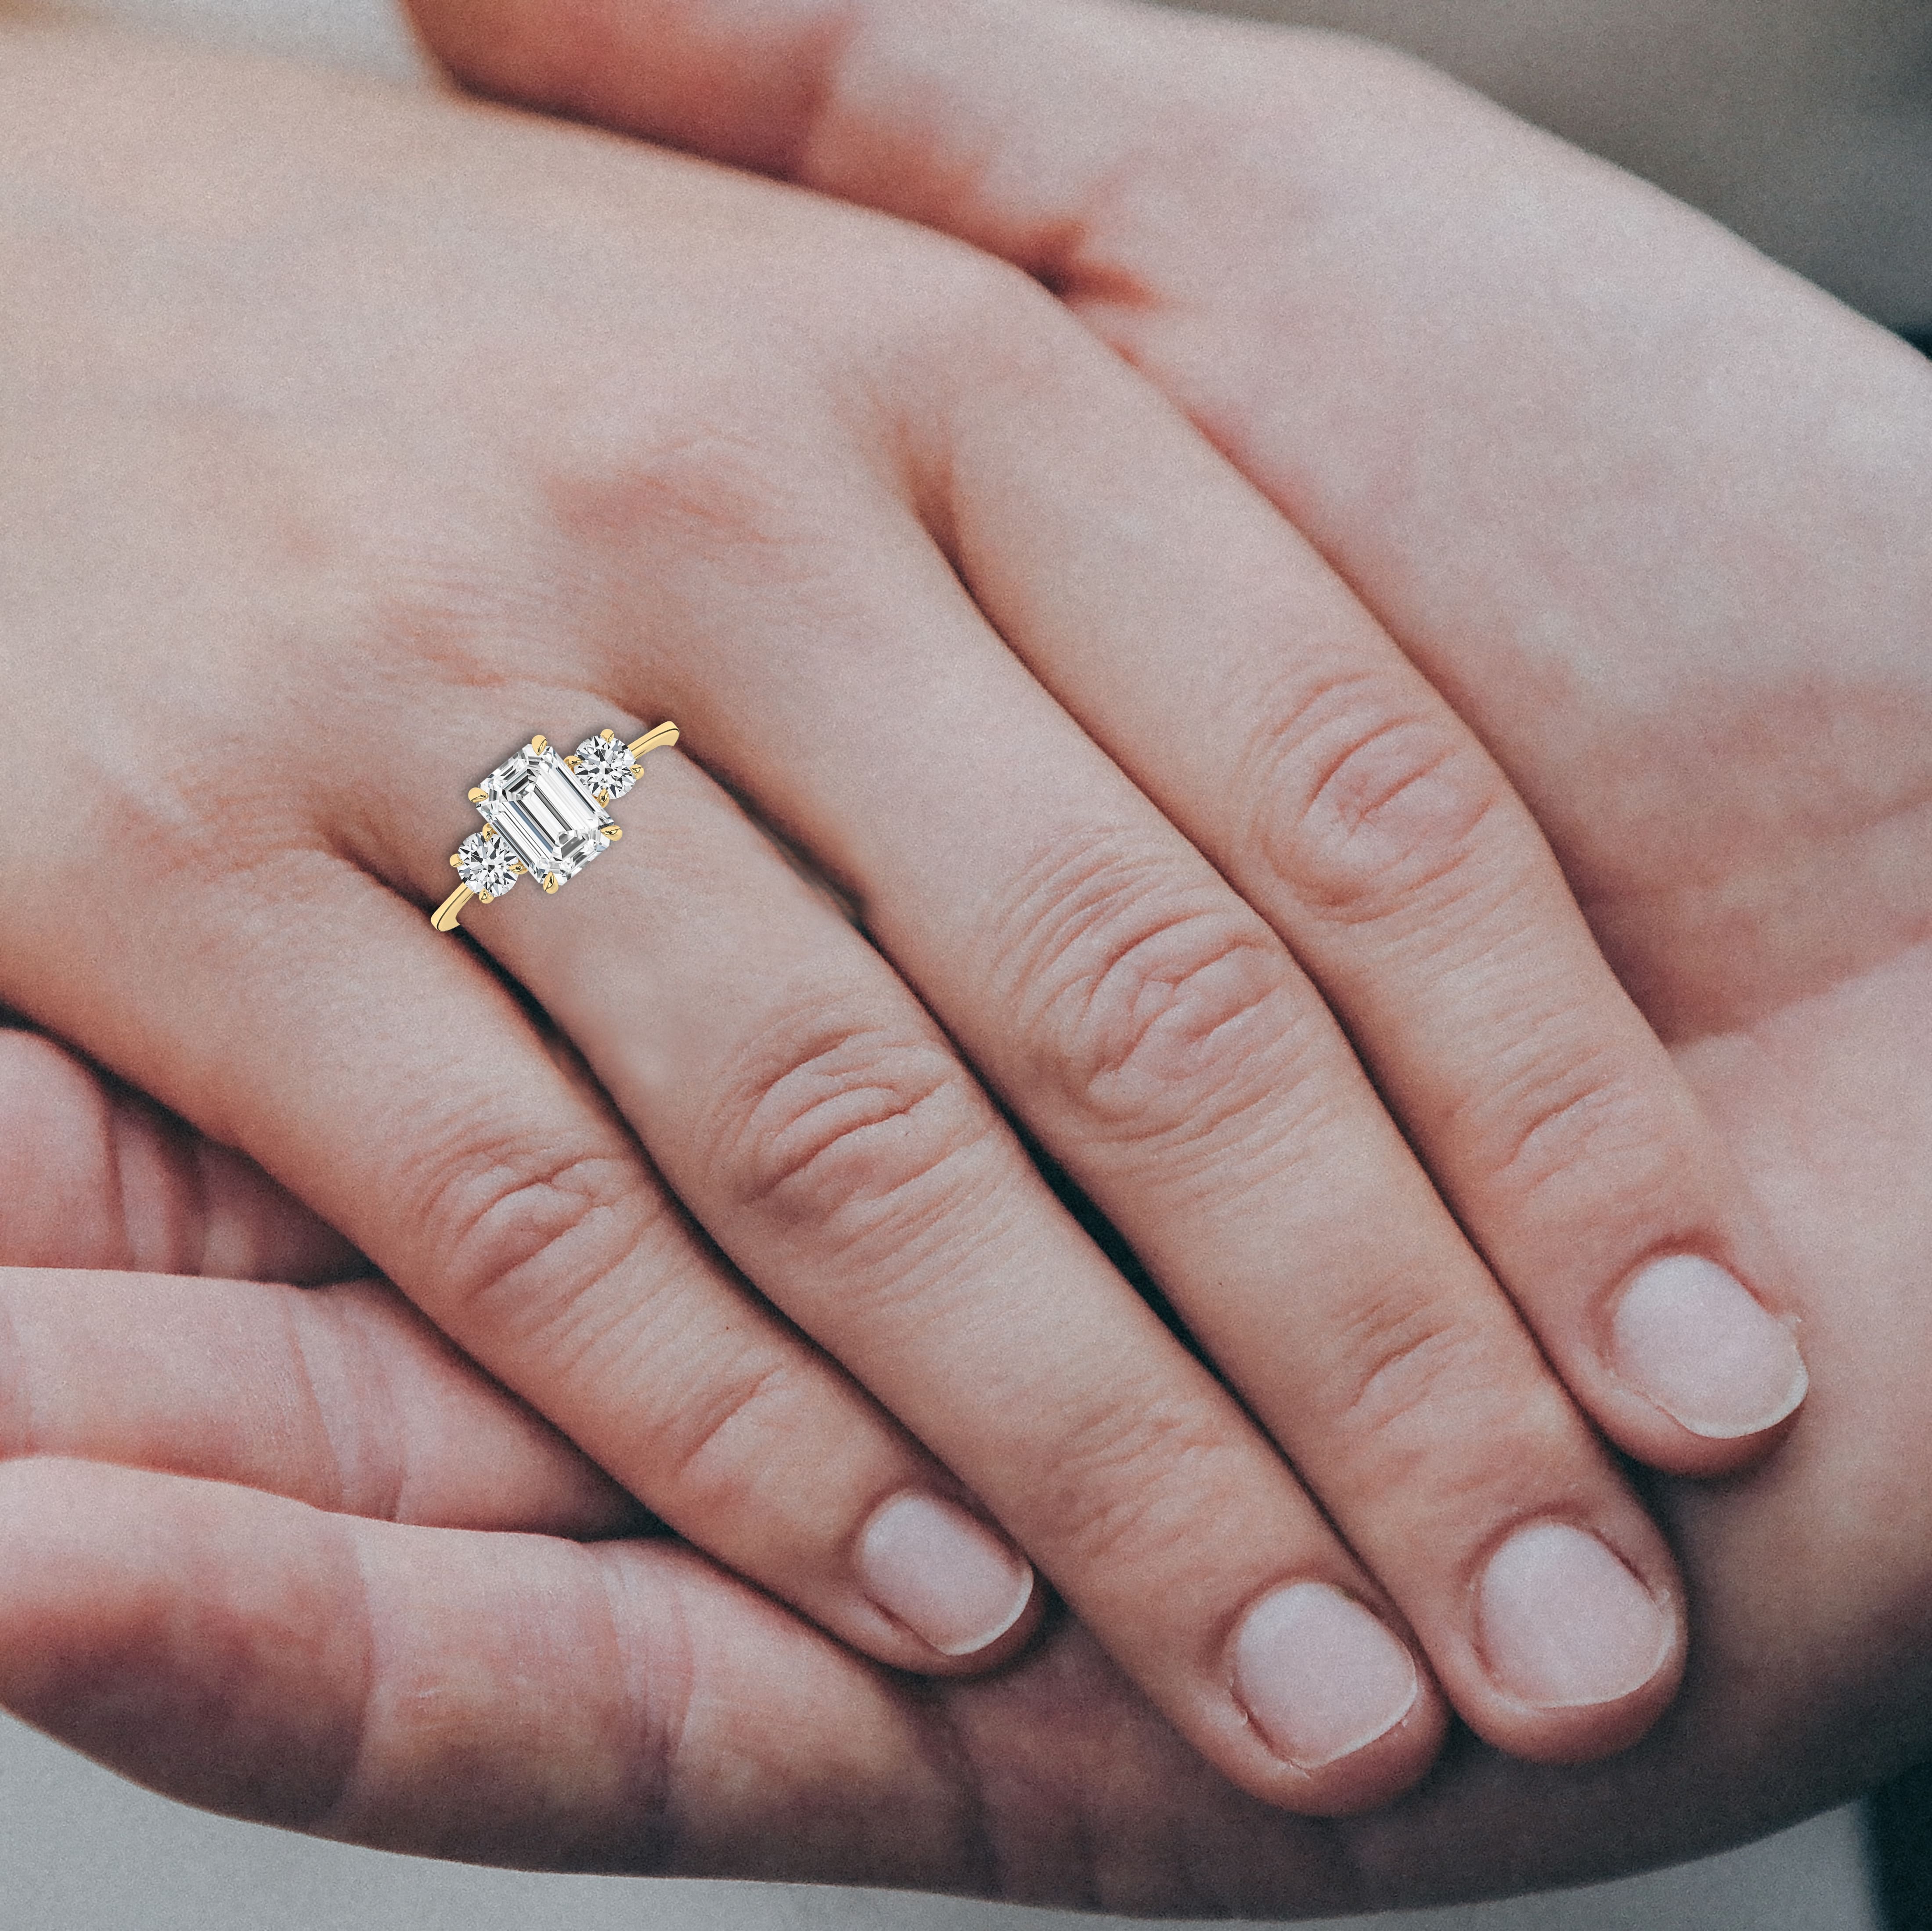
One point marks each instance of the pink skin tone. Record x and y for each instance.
(546, 424)
(1783, 952)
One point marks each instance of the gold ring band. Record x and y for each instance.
(545, 815)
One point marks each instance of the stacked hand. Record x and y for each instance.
(1710, 880)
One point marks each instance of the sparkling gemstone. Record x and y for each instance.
(484, 864)
(604, 764)
(543, 812)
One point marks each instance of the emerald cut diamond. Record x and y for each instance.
(544, 812)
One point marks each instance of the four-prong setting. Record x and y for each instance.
(546, 816)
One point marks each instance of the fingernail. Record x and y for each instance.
(1698, 1345)
(1320, 1675)
(1564, 1624)
(948, 1578)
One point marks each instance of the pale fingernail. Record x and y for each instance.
(948, 1578)
(1320, 1675)
(1695, 1342)
(1564, 1624)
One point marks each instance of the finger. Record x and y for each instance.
(525, 1701)
(1160, 1041)
(342, 1397)
(1352, 809)
(92, 1175)
(501, 1699)
(504, 1197)
(1345, 802)
(811, 1114)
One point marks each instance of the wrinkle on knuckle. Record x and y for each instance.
(713, 1448)
(852, 1128)
(1146, 1004)
(1580, 1126)
(1364, 800)
(1131, 1478)
(704, 485)
(527, 1222)
(1403, 1366)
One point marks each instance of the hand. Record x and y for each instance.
(283, 1660)
(1650, 512)
(337, 452)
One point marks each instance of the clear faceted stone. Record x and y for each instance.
(604, 765)
(485, 865)
(544, 813)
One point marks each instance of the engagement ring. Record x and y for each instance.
(544, 815)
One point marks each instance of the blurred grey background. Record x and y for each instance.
(1805, 124)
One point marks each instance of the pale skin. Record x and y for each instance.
(1662, 955)
(336, 451)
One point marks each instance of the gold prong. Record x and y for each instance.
(603, 797)
(489, 832)
(551, 881)
(609, 737)
(444, 917)
(575, 762)
(517, 869)
(654, 740)
(613, 833)
(477, 795)
(455, 861)
(539, 744)
(484, 897)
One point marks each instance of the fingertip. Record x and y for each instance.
(1337, 1697)
(952, 1582)
(1723, 1373)
(1585, 1652)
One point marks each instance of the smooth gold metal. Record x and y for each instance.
(661, 737)
(575, 762)
(477, 794)
(456, 862)
(608, 735)
(518, 869)
(444, 917)
(613, 833)
(539, 744)
(551, 881)
(489, 832)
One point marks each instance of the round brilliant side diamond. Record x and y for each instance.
(604, 765)
(486, 865)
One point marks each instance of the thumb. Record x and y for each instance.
(958, 114)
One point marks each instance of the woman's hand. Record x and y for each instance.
(1651, 512)
(351, 438)
(223, 1569)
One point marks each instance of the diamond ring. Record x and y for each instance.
(544, 815)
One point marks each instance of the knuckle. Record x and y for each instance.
(704, 490)
(711, 1453)
(528, 1223)
(1571, 1124)
(852, 1127)
(1400, 1367)
(1365, 801)
(1135, 1481)
(1146, 1001)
